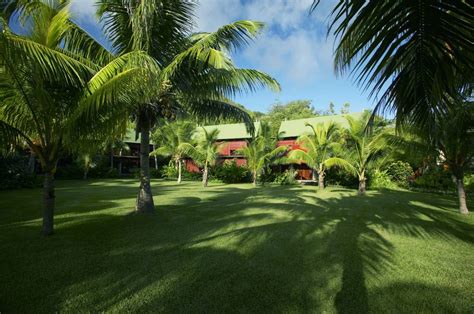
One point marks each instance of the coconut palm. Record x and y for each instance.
(259, 155)
(171, 137)
(413, 55)
(206, 153)
(196, 72)
(318, 150)
(449, 142)
(364, 146)
(50, 73)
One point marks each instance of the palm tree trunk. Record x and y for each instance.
(48, 202)
(179, 171)
(156, 159)
(120, 163)
(111, 158)
(31, 162)
(362, 186)
(205, 176)
(462, 195)
(144, 202)
(254, 178)
(321, 175)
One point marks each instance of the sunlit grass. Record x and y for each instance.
(235, 248)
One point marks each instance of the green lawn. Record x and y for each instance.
(232, 248)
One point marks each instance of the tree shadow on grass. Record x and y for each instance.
(275, 249)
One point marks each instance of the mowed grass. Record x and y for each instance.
(233, 248)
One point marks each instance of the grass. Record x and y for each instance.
(232, 248)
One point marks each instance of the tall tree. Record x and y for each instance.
(205, 153)
(318, 150)
(413, 55)
(170, 139)
(51, 71)
(196, 73)
(296, 109)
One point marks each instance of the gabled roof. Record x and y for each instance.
(295, 128)
(130, 137)
(232, 131)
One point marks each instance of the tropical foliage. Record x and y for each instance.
(170, 139)
(416, 56)
(260, 153)
(51, 72)
(194, 71)
(364, 146)
(205, 153)
(318, 150)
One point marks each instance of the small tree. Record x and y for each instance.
(259, 155)
(171, 137)
(318, 150)
(205, 153)
(364, 146)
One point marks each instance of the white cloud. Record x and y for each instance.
(84, 10)
(294, 45)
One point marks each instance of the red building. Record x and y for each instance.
(231, 138)
(235, 136)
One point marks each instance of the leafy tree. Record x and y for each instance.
(318, 150)
(205, 153)
(259, 155)
(364, 146)
(51, 71)
(413, 54)
(297, 109)
(170, 139)
(196, 74)
(454, 139)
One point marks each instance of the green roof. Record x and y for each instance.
(232, 131)
(295, 128)
(130, 137)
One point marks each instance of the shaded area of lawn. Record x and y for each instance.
(233, 248)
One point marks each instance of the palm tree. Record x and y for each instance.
(364, 146)
(49, 75)
(205, 153)
(449, 142)
(413, 54)
(171, 137)
(317, 150)
(259, 156)
(196, 73)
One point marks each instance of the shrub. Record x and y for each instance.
(15, 173)
(337, 176)
(381, 180)
(155, 173)
(400, 172)
(230, 172)
(170, 172)
(435, 179)
(287, 178)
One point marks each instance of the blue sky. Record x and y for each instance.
(293, 49)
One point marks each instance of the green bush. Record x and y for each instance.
(230, 172)
(400, 172)
(69, 172)
(435, 179)
(155, 173)
(337, 176)
(14, 173)
(287, 178)
(170, 172)
(381, 180)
